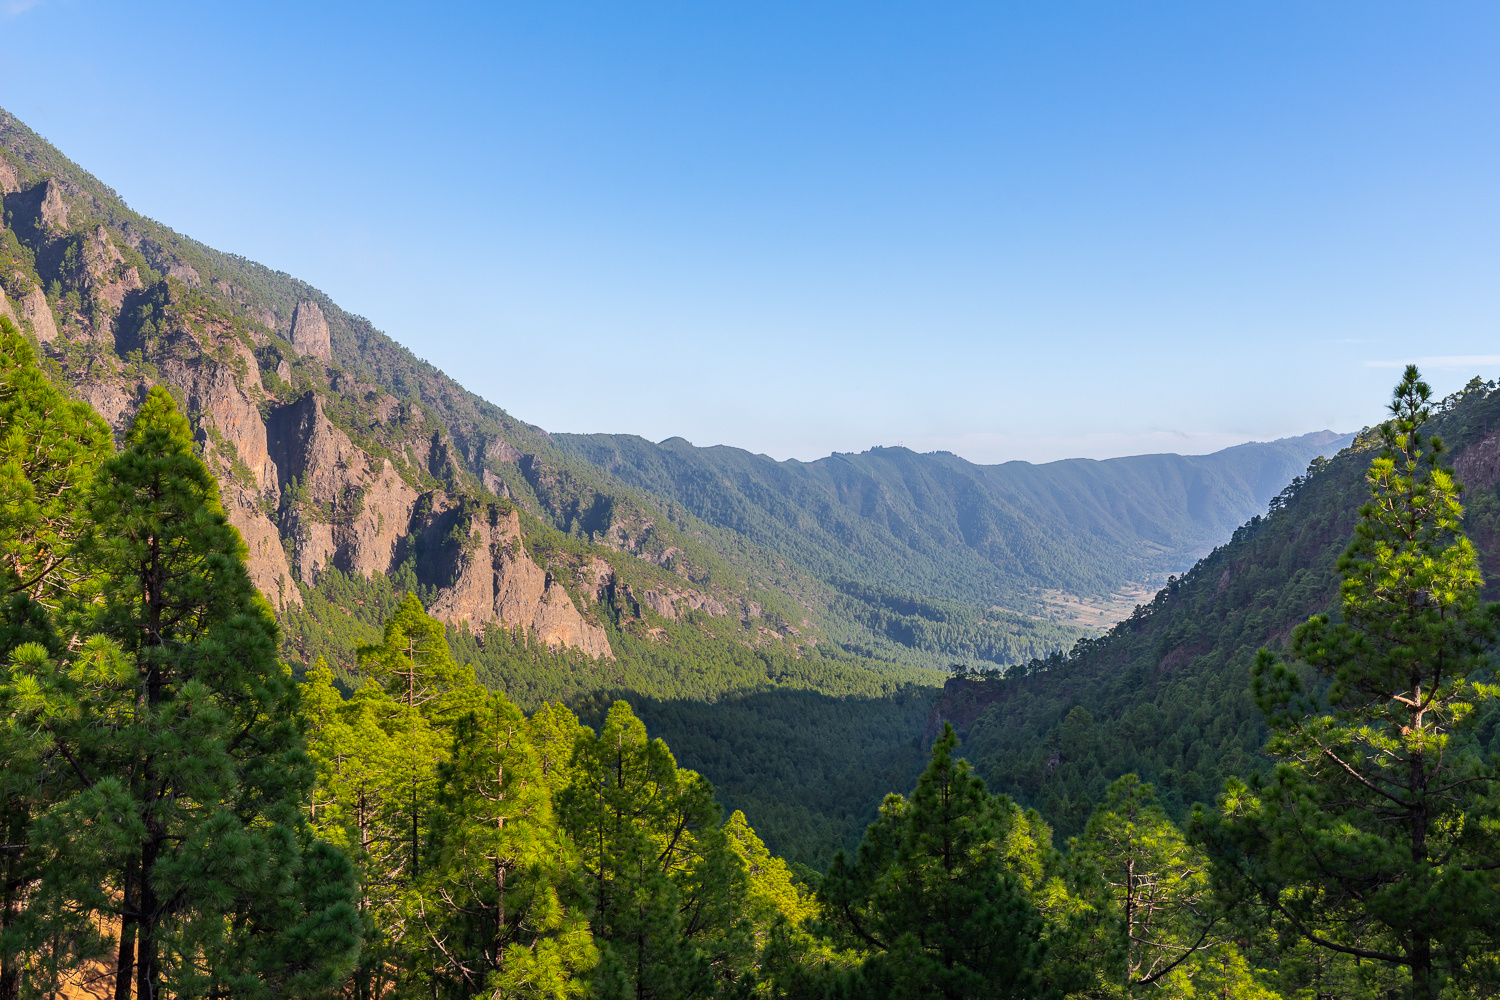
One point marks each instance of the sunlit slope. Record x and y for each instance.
(940, 526)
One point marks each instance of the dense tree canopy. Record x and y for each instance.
(183, 816)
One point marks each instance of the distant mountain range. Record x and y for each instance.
(940, 526)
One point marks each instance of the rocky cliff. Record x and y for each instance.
(333, 447)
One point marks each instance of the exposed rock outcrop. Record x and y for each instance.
(501, 450)
(185, 273)
(1479, 465)
(310, 332)
(960, 704)
(371, 484)
(38, 313)
(52, 213)
(665, 603)
(494, 580)
(104, 264)
(5, 309)
(494, 484)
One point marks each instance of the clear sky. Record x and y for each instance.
(1006, 230)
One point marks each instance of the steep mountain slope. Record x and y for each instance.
(938, 525)
(1166, 693)
(338, 450)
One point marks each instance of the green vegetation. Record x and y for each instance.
(1166, 695)
(184, 818)
(154, 769)
(939, 526)
(1373, 836)
(404, 809)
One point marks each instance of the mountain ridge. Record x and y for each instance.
(865, 515)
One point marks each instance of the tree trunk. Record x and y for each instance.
(1421, 970)
(146, 973)
(10, 974)
(125, 966)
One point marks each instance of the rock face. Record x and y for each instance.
(5, 309)
(185, 273)
(310, 332)
(371, 507)
(38, 313)
(327, 474)
(665, 603)
(960, 704)
(1479, 465)
(53, 212)
(494, 580)
(108, 277)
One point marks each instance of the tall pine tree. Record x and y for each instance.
(1378, 834)
(500, 909)
(937, 894)
(224, 890)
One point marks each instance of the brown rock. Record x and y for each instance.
(102, 262)
(310, 332)
(495, 580)
(9, 184)
(665, 603)
(373, 511)
(502, 450)
(53, 211)
(1479, 465)
(185, 273)
(266, 559)
(100, 255)
(110, 400)
(372, 542)
(5, 309)
(494, 484)
(114, 293)
(38, 313)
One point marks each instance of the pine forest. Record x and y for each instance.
(323, 677)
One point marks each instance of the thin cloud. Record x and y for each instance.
(15, 8)
(1442, 362)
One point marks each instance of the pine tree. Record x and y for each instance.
(1378, 836)
(361, 803)
(668, 892)
(225, 890)
(498, 910)
(60, 715)
(772, 893)
(1164, 933)
(377, 756)
(50, 447)
(415, 664)
(938, 891)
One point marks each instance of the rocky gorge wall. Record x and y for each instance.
(273, 414)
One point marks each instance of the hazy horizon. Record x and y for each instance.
(1031, 233)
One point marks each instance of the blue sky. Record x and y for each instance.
(1025, 231)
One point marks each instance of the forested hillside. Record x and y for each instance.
(185, 818)
(1166, 693)
(983, 535)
